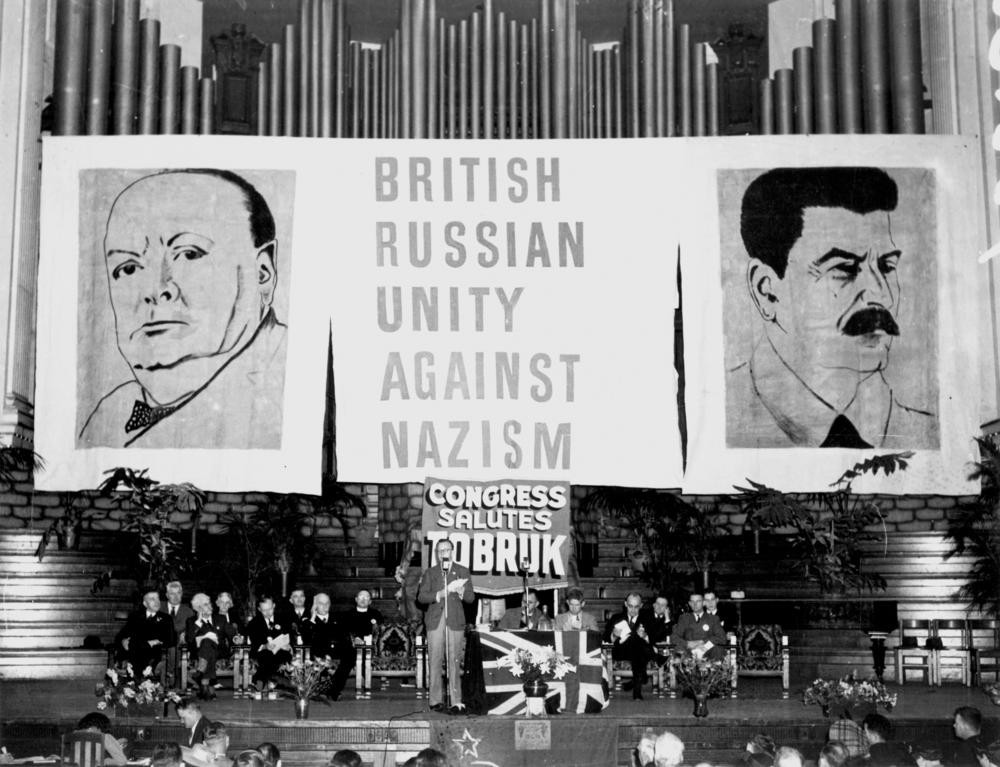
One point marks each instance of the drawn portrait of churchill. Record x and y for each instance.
(190, 271)
(830, 308)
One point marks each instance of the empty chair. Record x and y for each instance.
(395, 650)
(762, 650)
(983, 641)
(952, 650)
(913, 652)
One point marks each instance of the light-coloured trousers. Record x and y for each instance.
(435, 662)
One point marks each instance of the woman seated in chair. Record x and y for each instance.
(114, 750)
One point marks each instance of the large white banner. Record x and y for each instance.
(494, 307)
(831, 310)
(505, 307)
(180, 314)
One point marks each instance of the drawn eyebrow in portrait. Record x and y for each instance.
(190, 262)
(820, 350)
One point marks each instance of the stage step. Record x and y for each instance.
(52, 664)
(51, 635)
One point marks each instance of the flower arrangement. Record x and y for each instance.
(536, 664)
(120, 689)
(847, 692)
(308, 679)
(704, 677)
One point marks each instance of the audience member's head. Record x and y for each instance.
(217, 739)
(411, 762)
(174, 592)
(788, 757)
(167, 755)
(348, 758)
(95, 722)
(760, 751)
(833, 754)
(664, 750)
(271, 754)
(928, 756)
(202, 604)
(990, 757)
(878, 729)
(249, 758)
(967, 722)
(188, 711)
(431, 757)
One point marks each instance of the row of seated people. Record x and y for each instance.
(848, 744)
(210, 633)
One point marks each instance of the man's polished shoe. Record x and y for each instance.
(458, 710)
(628, 685)
(637, 693)
(439, 707)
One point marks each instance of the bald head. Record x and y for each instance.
(190, 259)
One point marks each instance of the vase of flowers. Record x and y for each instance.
(124, 693)
(534, 666)
(308, 680)
(844, 697)
(703, 677)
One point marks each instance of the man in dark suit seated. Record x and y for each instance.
(726, 617)
(145, 636)
(294, 613)
(354, 625)
(328, 639)
(630, 642)
(656, 619)
(270, 643)
(231, 624)
(189, 712)
(698, 633)
(203, 634)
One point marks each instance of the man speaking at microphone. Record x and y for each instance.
(444, 586)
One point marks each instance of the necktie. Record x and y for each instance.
(844, 434)
(144, 415)
(173, 610)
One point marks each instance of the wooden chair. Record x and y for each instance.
(952, 650)
(244, 668)
(760, 651)
(983, 641)
(396, 650)
(620, 670)
(914, 646)
(85, 749)
(225, 667)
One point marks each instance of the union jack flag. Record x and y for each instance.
(584, 690)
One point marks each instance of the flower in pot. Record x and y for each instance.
(308, 680)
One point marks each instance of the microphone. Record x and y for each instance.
(525, 564)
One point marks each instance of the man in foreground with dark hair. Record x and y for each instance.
(345, 758)
(883, 751)
(967, 722)
(167, 755)
(823, 277)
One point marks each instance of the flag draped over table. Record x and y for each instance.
(583, 690)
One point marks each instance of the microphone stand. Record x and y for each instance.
(524, 594)
(447, 653)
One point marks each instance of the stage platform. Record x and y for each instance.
(393, 725)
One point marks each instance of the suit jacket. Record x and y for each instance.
(240, 407)
(198, 734)
(657, 628)
(258, 632)
(357, 624)
(298, 622)
(323, 637)
(707, 628)
(180, 619)
(230, 626)
(587, 622)
(140, 629)
(617, 618)
(726, 619)
(431, 582)
(192, 631)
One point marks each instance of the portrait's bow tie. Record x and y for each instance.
(144, 415)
